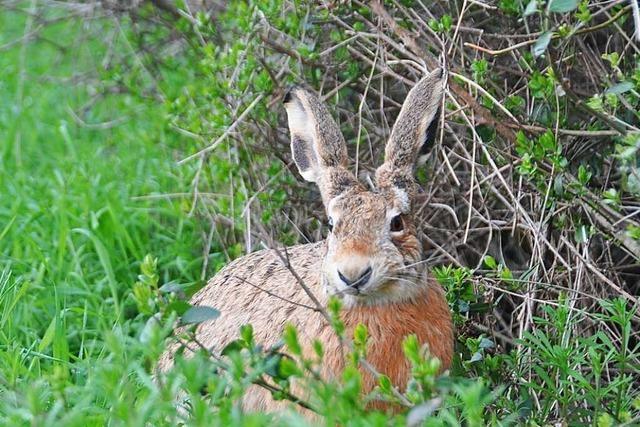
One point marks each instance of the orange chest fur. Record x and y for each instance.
(427, 317)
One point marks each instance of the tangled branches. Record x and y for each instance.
(533, 187)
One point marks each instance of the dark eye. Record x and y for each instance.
(330, 224)
(396, 224)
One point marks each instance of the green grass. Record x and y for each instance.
(72, 233)
(82, 204)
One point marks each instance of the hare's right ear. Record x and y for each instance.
(317, 145)
(412, 134)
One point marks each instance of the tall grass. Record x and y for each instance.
(73, 227)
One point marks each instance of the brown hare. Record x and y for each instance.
(371, 258)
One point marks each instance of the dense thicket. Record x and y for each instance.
(533, 185)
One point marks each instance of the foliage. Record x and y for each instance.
(141, 128)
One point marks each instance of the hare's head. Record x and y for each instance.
(374, 253)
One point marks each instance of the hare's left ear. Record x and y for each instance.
(317, 145)
(413, 133)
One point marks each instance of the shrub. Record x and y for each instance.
(531, 216)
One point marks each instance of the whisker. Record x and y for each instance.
(404, 279)
(342, 292)
(423, 261)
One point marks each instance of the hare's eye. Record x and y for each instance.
(330, 224)
(396, 224)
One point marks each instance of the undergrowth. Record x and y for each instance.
(150, 128)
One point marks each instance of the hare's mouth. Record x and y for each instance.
(372, 291)
(362, 292)
(381, 285)
(351, 291)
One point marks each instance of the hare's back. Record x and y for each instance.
(261, 290)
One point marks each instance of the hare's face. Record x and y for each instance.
(373, 253)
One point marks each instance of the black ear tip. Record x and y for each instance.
(440, 72)
(289, 94)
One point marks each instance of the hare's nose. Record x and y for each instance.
(357, 280)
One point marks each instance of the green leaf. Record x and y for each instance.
(581, 234)
(60, 345)
(149, 265)
(486, 343)
(490, 262)
(385, 383)
(558, 185)
(290, 336)
(506, 274)
(318, 348)
(178, 306)
(47, 338)
(246, 332)
(583, 175)
(411, 348)
(633, 231)
(541, 44)
(272, 367)
(150, 329)
(360, 334)
(105, 261)
(531, 8)
(562, 6)
(619, 88)
(288, 368)
(477, 356)
(199, 314)
(171, 287)
(233, 347)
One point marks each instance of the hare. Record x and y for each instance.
(371, 258)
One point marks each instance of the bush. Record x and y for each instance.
(533, 188)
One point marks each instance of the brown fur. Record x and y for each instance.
(240, 303)
(396, 299)
(427, 317)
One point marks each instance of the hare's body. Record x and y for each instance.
(244, 295)
(371, 259)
